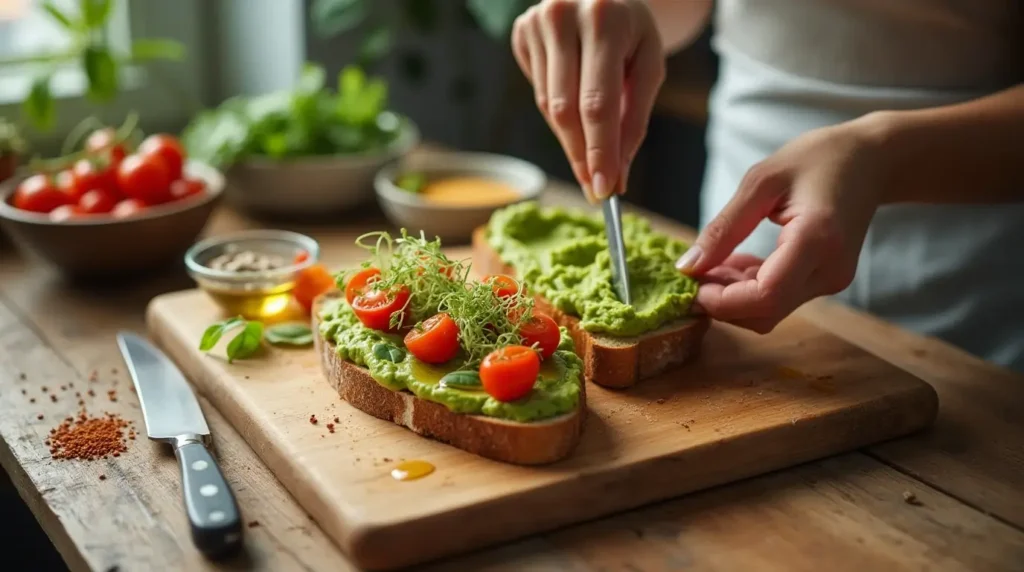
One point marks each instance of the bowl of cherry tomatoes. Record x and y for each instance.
(111, 207)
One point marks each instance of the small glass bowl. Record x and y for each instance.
(258, 294)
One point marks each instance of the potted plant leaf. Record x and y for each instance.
(12, 147)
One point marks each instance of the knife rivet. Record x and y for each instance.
(199, 465)
(217, 516)
(208, 491)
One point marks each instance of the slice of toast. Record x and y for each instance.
(533, 443)
(609, 361)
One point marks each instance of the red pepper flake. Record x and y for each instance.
(254, 523)
(330, 427)
(312, 420)
(81, 403)
(63, 388)
(71, 384)
(44, 389)
(103, 477)
(336, 420)
(92, 393)
(23, 392)
(88, 438)
(39, 417)
(22, 376)
(53, 398)
(31, 399)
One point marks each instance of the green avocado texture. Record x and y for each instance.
(563, 256)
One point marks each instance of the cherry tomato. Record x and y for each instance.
(310, 283)
(443, 268)
(92, 174)
(508, 374)
(39, 193)
(184, 188)
(542, 330)
(66, 184)
(145, 177)
(359, 281)
(503, 285)
(301, 257)
(101, 143)
(374, 308)
(167, 148)
(127, 208)
(436, 340)
(65, 212)
(97, 201)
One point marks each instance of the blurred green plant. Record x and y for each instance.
(11, 141)
(91, 49)
(307, 120)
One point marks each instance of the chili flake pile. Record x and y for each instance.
(90, 438)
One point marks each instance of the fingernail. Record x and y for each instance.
(589, 195)
(602, 190)
(689, 258)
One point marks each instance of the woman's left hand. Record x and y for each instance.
(823, 188)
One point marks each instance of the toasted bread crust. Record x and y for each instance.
(508, 441)
(609, 361)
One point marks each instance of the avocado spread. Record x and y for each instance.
(557, 390)
(563, 256)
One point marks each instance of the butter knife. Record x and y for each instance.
(617, 248)
(173, 416)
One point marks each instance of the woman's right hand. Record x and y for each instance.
(596, 67)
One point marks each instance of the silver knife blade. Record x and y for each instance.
(169, 406)
(617, 248)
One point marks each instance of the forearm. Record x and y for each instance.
(680, 22)
(971, 152)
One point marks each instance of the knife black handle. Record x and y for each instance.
(210, 504)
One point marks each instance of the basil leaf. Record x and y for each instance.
(462, 380)
(247, 342)
(39, 105)
(388, 352)
(213, 334)
(294, 334)
(101, 70)
(58, 15)
(95, 13)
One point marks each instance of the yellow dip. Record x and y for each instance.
(469, 191)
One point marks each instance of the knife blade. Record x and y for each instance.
(617, 248)
(172, 415)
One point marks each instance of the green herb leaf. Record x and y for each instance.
(95, 13)
(213, 333)
(157, 49)
(58, 15)
(312, 79)
(101, 69)
(293, 334)
(39, 105)
(330, 17)
(247, 342)
(412, 182)
(496, 16)
(388, 352)
(218, 137)
(462, 380)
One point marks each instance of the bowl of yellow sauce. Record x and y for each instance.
(448, 195)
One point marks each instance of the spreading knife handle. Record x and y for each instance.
(213, 513)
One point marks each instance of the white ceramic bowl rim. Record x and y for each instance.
(458, 161)
(311, 246)
(212, 177)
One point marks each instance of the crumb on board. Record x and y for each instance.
(911, 499)
(254, 523)
(103, 477)
(661, 400)
(22, 376)
(31, 399)
(39, 417)
(313, 420)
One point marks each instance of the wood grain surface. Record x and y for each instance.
(843, 513)
(748, 405)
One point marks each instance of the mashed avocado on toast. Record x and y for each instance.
(462, 343)
(563, 256)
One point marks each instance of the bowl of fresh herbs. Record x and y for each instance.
(305, 151)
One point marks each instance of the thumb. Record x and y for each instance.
(756, 198)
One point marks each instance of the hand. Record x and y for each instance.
(823, 188)
(596, 67)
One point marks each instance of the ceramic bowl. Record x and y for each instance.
(102, 246)
(313, 186)
(453, 224)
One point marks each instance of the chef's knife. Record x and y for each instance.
(172, 415)
(617, 248)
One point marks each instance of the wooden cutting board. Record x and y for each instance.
(749, 404)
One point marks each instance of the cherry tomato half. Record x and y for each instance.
(65, 212)
(39, 193)
(310, 283)
(503, 285)
(167, 148)
(436, 340)
(374, 308)
(146, 178)
(508, 374)
(92, 174)
(359, 281)
(542, 330)
(127, 208)
(97, 201)
(101, 143)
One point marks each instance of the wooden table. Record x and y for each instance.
(849, 512)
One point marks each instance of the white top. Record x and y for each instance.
(789, 66)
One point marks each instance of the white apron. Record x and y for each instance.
(954, 271)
